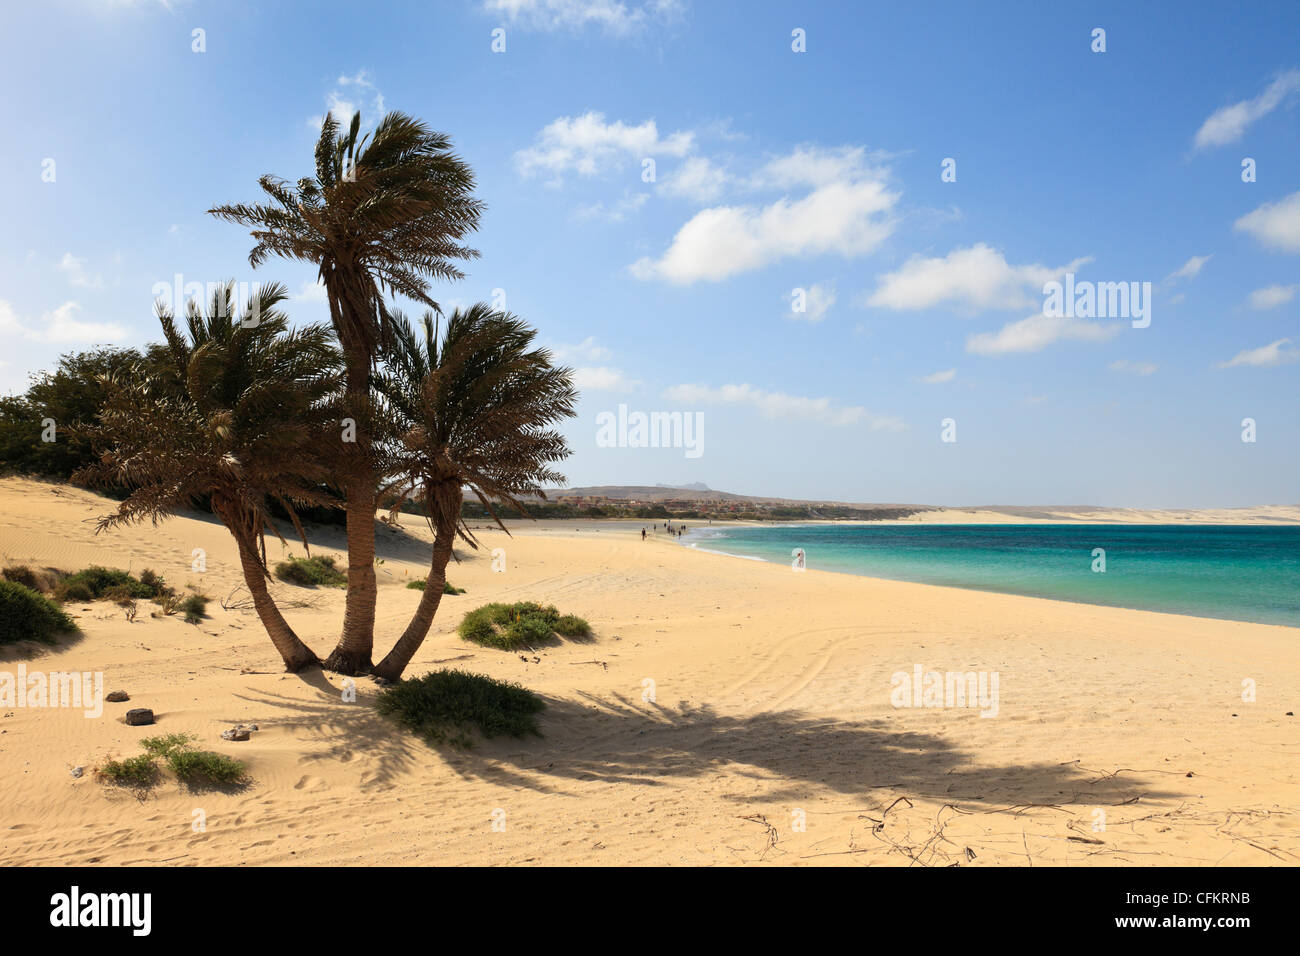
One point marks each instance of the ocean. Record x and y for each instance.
(1235, 572)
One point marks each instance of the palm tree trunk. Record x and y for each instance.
(352, 655)
(395, 662)
(293, 651)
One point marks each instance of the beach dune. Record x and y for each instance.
(725, 712)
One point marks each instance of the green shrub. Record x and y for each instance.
(311, 572)
(42, 580)
(96, 582)
(120, 594)
(194, 607)
(26, 615)
(74, 593)
(192, 767)
(525, 624)
(162, 745)
(445, 705)
(138, 772)
(204, 767)
(159, 590)
(570, 625)
(447, 586)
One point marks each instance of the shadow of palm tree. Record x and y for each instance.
(618, 741)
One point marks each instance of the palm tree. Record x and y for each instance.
(470, 411)
(238, 414)
(384, 214)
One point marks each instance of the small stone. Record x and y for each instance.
(77, 771)
(234, 733)
(139, 716)
(117, 696)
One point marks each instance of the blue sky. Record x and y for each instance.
(774, 170)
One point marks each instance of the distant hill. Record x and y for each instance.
(699, 492)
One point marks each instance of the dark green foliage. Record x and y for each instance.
(311, 572)
(158, 588)
(194, 607)
(164, 744)
(447, 586)
(75, 592)
(72, 395)
(96, 582)
(525, 624)
(43, 580)
(194, 768)
(205, 768)
(135, 772)
(570, 625)
(26, 615)
(445, 705)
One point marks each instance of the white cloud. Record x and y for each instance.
(611, 15)
(588, 376)
(75, 269)
(844, 218)
(312, 292)
(1037, 332)
(602, 378)
(1189, 269)
(816, 166)
(1137, 368)
(1276, 225)
(1270, 297)
(1229, 123)
(59, 326)
(696, 179)
(585, 351)
(589, 145)
(1266, 356)
(612, 212)
(817, 301)
(351, 93)
(781, 405)
(938, 378)
(975, 278)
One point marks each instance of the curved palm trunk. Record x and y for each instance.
(352, 655)
(293, 651)
(395, 662)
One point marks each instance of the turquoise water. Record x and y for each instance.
(1225, 571)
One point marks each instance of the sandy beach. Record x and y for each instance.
(725, 712)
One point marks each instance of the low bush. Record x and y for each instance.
(26, 615)
(525, 624)
(194, 768)
(44, 580)
(136, 772)
(194, 607)
(445, 705)
(447, 586)
(95, 582)
(311, 572)
(197, 768)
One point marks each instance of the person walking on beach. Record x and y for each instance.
(643, 534)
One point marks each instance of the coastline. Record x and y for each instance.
(771, 698)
